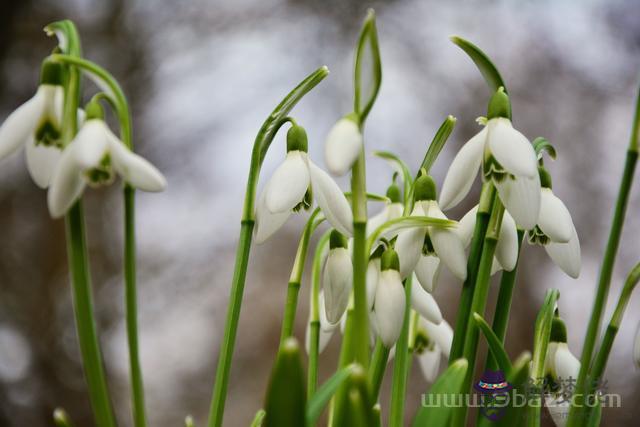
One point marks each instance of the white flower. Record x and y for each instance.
(343, 146)
(508, 158)
(555, 231)
(428, 271)
(288, 188)
(560, 362)
(36, 125)
(337, 278)
(390, 302)
(93, 157)
(373, 276)
(441, 242)
(506, 255)
(433, 342)
(424, 303)
(558, 407)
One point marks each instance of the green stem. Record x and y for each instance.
(503, 304)
(378, 366)
(314, 311)
(468, 287)
(604, 281)
(400, 364)
(231, 325)
(85, 319)
(479, 301)
(296, 276)
(360, 258)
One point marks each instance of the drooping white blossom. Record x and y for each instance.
(343, 146)
(433, 342)
(390, 302)
(337, 278)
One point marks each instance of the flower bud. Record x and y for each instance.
(499, 105)
(338, 277)
(424, 188)
(297, 139)
(343, 146)
(393, 193)
(390, 301)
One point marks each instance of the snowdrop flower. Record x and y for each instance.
(433, 342)
(36, 124)
(337, 278)
(506, 256)
(390, 301)
(558, 406)
(373, 274)
(392, 210)
(555, 230)
(415, 244)
(507, 158)
(343, 145)
(289, 189)
(424, 303)
(93, 157)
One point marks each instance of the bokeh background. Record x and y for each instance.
(201, 77)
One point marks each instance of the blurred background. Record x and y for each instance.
(201, 77)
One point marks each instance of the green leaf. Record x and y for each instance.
(440, 138)
(368, 68)
(595, 415)
(401, 167)
(286, 396)
(356, 407)
(485, 66)
(496, 347)
(257, 420)
(319, 400)
(450, 382)
(67, 35)
(518, 378)
(541, 145)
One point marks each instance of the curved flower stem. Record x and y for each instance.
(77, 252)
(261, 144)
(296, 276)
(314, 310)
(378, 365)
(466, 297)
(479, 301)
(606, 271)
(117, 99)
(401, 364)
(503, 304)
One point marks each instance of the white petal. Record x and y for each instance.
(467, 225)
(91, 143)
(41, 162)
(135, 169)
(521, 197)
(427, 272)
(463, 171)
(554, 219)
(67, 183)
(424, 303)
(507, 247)
(495, 266)
(342, 147)
(373, 275)
(389, 307)
(409, 248)
(377, 220)
(288, 184)
(566, 255)
(429, 361)
(511, 148)
(566, 364)
(447, 244)
(558, 409)
(331, 200)
(21, 123)
(441, 334)
(267, 223)
(337, 282)
(325, 325)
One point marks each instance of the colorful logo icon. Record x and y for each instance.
(494, 390)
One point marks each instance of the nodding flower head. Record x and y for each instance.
(338, 277)
(390, 301)
(343, 145)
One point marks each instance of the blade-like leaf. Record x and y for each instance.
(319, 400)
(368, 68)
(401, 167)
(286, 396)
(355, 408)
(595, 415)
(440, 138)
(541, 145)
(496, 347)
(485, 66)
(257, 420)
(518, 378)
(450, 382)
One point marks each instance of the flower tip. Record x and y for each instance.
(451, 119)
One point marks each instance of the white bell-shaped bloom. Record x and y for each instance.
(289, 188)
(424, 303)
(343, 146)
(508, 158)
(36, 125)
(390, 302)
(93, 157)
(555, 230)
(506, 254)
(441, 242)
(337, 278)
(433, 342)
(561, 363)
(558, 407)
(428, 272)
(373, 276)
